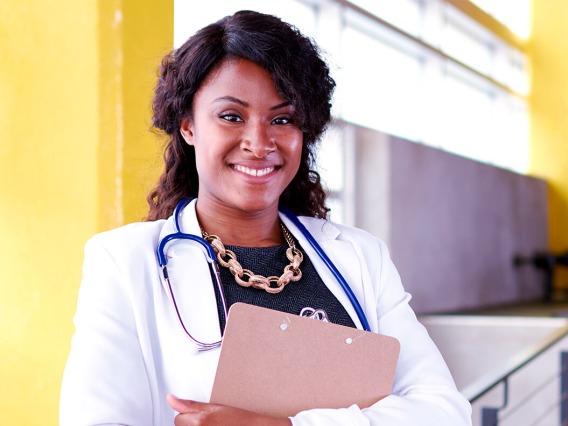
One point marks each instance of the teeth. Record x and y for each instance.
(254, 172)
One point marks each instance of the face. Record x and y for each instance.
(247, 146)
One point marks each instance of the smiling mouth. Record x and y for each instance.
(254, 172)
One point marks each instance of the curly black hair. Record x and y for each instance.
(301, 77)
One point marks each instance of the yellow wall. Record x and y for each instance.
(549, 109)
(76, 158)
(75, 89)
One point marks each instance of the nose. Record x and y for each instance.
(258, 140)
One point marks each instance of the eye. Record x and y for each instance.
(282, 120)
(233, 118)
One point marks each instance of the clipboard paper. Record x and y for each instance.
(279, 364)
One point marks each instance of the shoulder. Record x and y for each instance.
(135, 239)
(324, 229)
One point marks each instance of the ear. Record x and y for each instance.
(186, 130)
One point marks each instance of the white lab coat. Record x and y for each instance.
(129, 350)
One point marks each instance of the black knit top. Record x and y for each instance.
(310, 291)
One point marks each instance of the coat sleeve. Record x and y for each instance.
(105, 381)
(424, 393)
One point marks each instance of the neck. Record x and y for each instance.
(237, 228)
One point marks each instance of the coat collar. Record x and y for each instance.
(188, 262)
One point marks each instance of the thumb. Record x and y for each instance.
(182, 406)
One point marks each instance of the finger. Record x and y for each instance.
(180, 405)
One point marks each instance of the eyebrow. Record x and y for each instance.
(282, 105)
(232, 99)
(246, 104)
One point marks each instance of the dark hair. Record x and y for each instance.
(300, 76)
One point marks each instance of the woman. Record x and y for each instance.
(243, 103)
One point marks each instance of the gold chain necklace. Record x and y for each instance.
(272, 284)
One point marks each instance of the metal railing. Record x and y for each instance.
(492, 415)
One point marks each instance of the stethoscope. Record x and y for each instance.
(214, 268)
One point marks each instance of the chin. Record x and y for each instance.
(256, 205)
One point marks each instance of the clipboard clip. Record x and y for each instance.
(318, 314)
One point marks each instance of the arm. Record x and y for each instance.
(105, 380)
(192, 413)
(424, 393)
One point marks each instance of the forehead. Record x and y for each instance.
(239, 78)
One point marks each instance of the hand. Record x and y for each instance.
(192, 413)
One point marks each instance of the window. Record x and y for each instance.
(438, 77)
(419, 69)
(514, 14)
(189, 17)
(379, 85)
(407, 15)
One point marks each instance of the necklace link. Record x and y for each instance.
(273, 284)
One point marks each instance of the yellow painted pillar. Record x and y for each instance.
(76, 158)
(548, 50)
(133, 38)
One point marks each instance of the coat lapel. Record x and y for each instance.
(193, 288)
(341, 254)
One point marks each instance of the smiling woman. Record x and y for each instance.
(304, 83)
(247, 149)
(243, 103)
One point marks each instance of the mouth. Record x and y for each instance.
(255, 172)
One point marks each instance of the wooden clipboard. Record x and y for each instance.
(279, 364)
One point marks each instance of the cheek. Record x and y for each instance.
(295, 147)
(204, 163)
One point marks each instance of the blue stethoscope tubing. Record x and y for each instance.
(333, 269)
(210, 254)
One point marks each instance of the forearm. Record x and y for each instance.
(192, 413)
